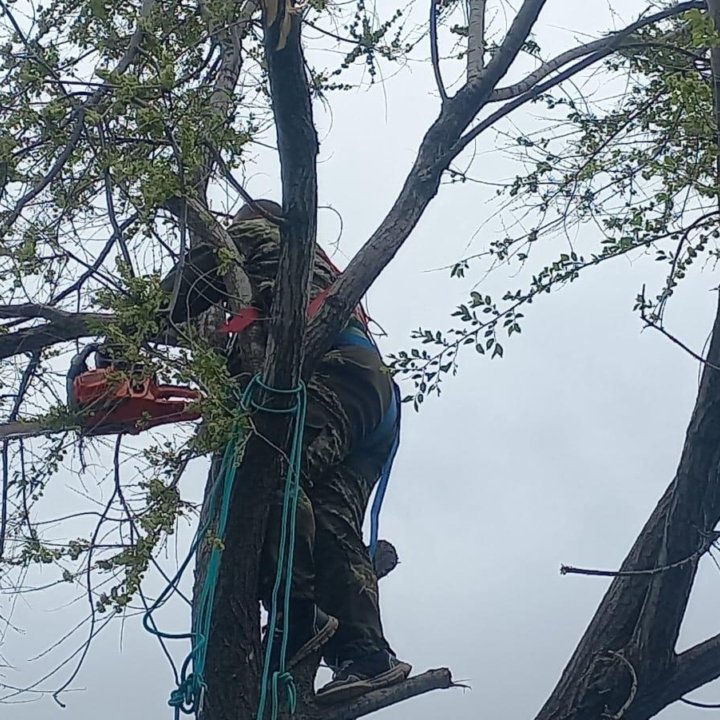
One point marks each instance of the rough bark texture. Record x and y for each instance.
(628, 650)
(626, 664)
(233, 654)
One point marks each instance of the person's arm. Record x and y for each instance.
(200, 287)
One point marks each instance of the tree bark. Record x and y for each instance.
(626, 664)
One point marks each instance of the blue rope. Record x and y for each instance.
(384, 476)
(188, 695)
(390, 423)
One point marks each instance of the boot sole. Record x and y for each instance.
(356, 688)
(315, 642)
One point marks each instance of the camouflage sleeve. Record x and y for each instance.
(199, 287)
(259, 243)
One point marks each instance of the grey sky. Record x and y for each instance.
(555, 454)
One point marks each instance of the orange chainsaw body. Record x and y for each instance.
(111, 406)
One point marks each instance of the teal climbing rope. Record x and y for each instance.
(286, 556)
(187, 698)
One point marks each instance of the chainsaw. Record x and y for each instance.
(119, 397)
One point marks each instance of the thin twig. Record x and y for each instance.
(704, 706)
(244, 194)
(110, 203)
(88, 576)
(570, 570)
(92, 269)
(608, 44)
(655, 326)
(22, 390)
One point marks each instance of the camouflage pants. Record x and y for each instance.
(346, 400)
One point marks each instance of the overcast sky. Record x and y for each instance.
(555, 454)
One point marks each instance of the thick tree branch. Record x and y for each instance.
(443, 141)
(501, 61)
(476, 38)
(692, 669)
(440, 679)
(63, 327)
(298, 146)
(233, 647)
(604, 47)
(23, 429)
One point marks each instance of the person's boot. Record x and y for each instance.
(310, 629)
(362, 675)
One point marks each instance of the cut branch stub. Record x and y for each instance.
(281, 10)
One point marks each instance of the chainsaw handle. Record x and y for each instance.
(78, 365)
(168, 391)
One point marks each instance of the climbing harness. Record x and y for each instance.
(390, 424)
(188, 696)
(247, 316)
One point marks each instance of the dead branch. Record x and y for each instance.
(440, 679)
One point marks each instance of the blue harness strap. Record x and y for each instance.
(389, 426)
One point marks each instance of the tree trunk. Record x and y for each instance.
(626, 660)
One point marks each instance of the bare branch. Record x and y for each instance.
(476, 38)
(29, 311)
(605, 46)
(440, 679)
(691, 669)
(230, 41)
(696, 667)
(63, 326)
(298, 145)
(434, 52)
(23, 429)
(705, 546)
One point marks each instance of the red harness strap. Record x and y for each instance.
(246, 317)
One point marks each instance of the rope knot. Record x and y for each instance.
(186, 696)
(285, 680)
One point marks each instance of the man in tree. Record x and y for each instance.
(351, 428)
